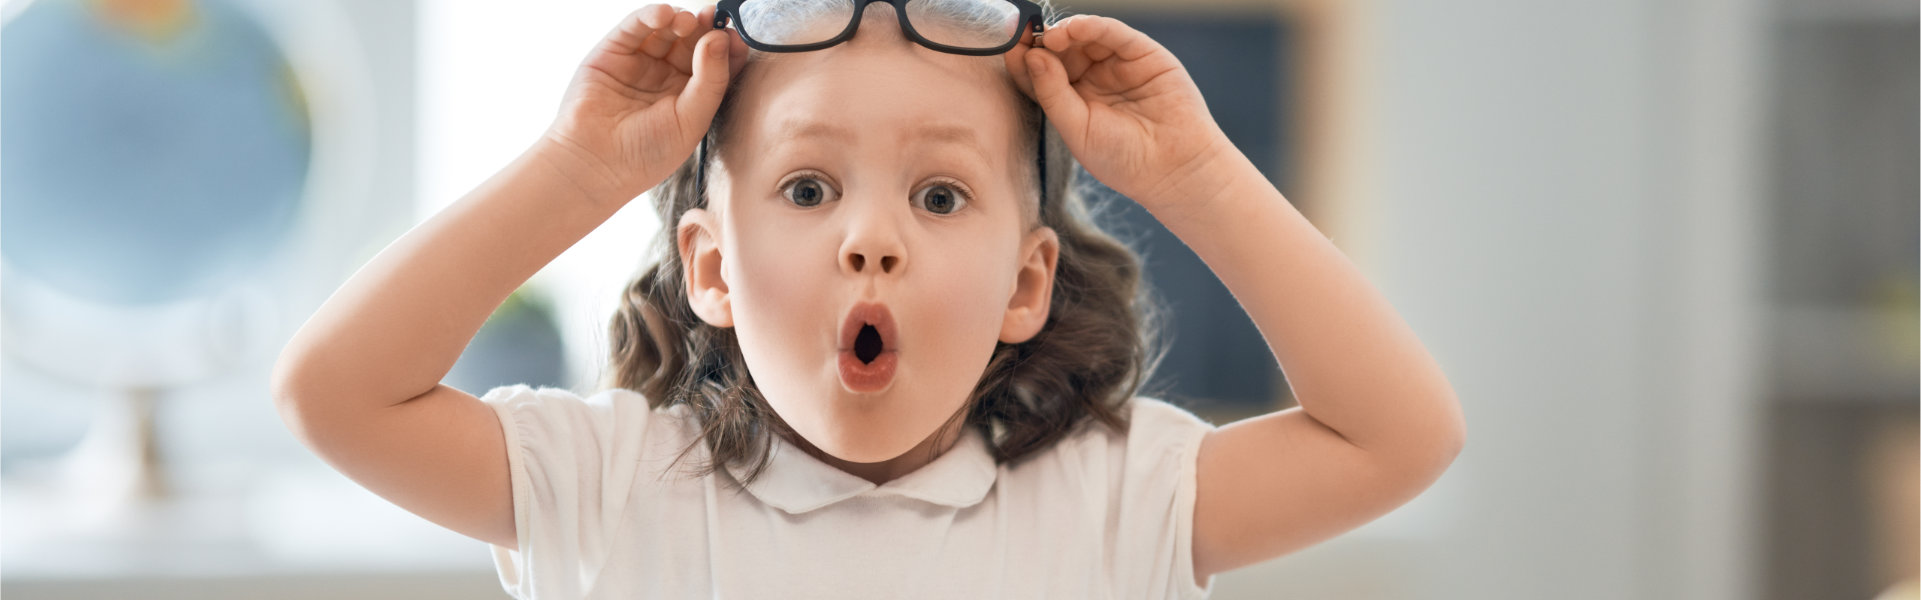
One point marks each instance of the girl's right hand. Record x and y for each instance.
(643, 98)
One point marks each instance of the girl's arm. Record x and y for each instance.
(360, 382)
(1377, 421)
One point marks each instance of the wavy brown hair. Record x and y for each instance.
(1099, 346)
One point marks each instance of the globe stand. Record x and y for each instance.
(117, 472)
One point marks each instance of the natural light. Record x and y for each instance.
(491, 74)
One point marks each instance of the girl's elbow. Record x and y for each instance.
(1440, 442)
(1452, 438)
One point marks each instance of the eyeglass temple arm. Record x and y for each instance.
(1040, 163)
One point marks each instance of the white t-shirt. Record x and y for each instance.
(1098, 515)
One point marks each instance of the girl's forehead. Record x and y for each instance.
(806, 128)
(888, 96)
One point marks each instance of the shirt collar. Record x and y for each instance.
(796, 482)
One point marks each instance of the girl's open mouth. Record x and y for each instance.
(868, 354)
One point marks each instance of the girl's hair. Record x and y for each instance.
(1100, 344)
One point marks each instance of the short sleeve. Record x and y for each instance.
(1156, 493)
(565, 455)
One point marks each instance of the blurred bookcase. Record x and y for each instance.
(1841, 262)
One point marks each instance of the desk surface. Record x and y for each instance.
(255, 520)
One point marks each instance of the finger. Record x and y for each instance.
(697, 103)
(738, 52)
(1104, 37)
(1027, 33)
(661, 43)
(1055, 94)
(1075, 62)
(706, 17)
(1085, 40)
(1058, 36)
(1016, 59)
(1097, 52)
(634, 29)
(1059, 40)
(685, 23)
(682, 54)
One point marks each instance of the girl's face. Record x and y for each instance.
(876, 172)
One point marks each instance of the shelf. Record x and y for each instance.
(286, 521)
(1841, 354)
(1803, 11)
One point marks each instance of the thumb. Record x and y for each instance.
(1057, 97)
(701, 97)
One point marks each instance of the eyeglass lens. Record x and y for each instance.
(974, 24)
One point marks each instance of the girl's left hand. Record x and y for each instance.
(1124, 106)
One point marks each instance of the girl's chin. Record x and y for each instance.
(864, 451)
(865, 442)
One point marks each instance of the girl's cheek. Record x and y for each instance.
(781, 269)
(964, 303)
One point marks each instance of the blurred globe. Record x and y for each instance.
(155, 150)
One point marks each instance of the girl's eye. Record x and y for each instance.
(806, 191)
(943, 198)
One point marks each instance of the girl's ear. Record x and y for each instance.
(1033, 287)
(699, 242)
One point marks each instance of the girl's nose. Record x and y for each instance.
(873, 244)
(858, 262)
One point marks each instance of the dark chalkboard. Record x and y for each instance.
(1217, 360)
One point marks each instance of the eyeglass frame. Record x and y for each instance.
(1030, 14)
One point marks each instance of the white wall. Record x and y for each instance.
(1561, 205)
(1512, 194)
(1547, 201)
(492, 74)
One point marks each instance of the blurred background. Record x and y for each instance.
(1666, 251)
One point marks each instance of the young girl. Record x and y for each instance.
(883, 353)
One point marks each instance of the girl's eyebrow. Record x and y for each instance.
(938, 132)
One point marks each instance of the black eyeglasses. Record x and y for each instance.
(969, 27)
